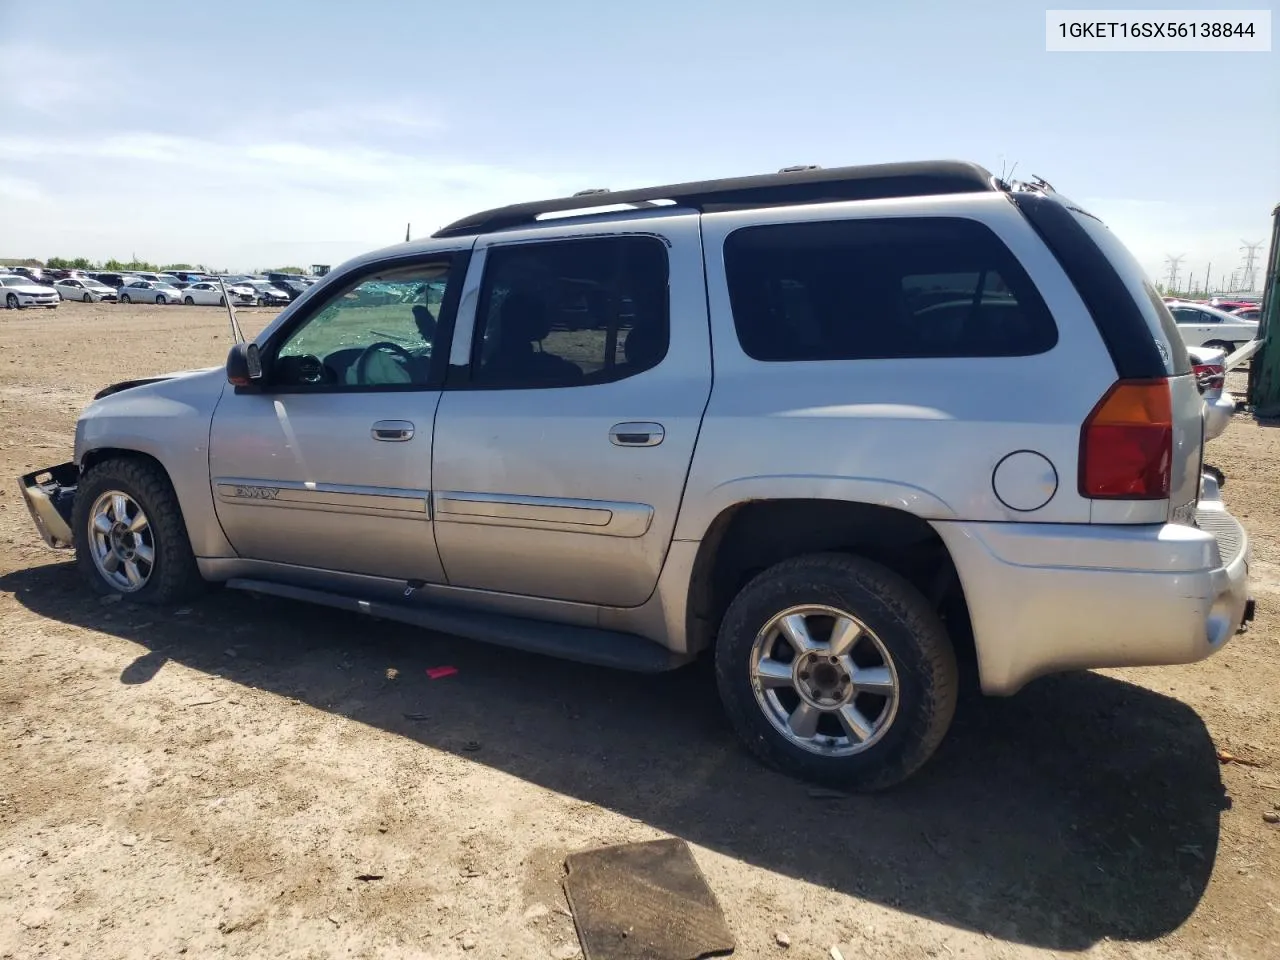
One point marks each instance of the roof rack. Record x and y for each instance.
(808, 185)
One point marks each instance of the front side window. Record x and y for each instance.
(878, 289)
(572, 312)
(379, 332)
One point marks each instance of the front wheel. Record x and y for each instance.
(11, 301)
(835, 669)
(160, 299)
(222, 301)
(87, 298)
(189, 301)
(1220, 345)
(129, 533)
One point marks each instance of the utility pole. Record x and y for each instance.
(1250, 251)
(406, 233)
(1206, 290)
(1173, 263)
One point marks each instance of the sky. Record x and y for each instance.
(290, 133)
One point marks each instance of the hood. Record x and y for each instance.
(142, 381)
(30, 287)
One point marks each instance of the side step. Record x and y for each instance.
(605, 648)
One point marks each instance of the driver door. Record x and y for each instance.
(327, 464)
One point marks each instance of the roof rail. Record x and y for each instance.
(809, 185)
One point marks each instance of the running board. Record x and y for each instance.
(604, 648)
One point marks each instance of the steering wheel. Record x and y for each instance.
(394, 349)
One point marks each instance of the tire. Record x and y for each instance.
(262, 301)
(160, 300)
(11, 301)
(1219, 345)
(189, 301)
(171, 575)
(901, 646)
(222, 301)
(87, 298)
(124, 298)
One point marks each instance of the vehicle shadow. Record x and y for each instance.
(1083, 808)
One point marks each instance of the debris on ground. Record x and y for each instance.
(1271, 816)
(1226, 757)
(781, 939)
(644, 901)
(439, 673)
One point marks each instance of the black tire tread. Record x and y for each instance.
(176, 576)
(821, 574)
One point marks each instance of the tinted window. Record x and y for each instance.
(572, 312)
(862, 289)
(379, 332)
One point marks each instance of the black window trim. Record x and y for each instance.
(1023, 278)
(464, 377)
(1119, 320)
(460, 259)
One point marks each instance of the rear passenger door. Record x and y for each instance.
(578, 378)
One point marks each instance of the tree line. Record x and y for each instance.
(129, 266)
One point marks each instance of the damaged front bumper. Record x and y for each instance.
(50, 495)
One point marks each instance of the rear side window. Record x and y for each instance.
(878, 289)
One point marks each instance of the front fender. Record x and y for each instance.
(169, 421)
(696, 517)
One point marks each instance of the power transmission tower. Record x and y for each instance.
(1173, 263)
(1250, 251)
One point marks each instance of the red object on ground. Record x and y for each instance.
(438, 673)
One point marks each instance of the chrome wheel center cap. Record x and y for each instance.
(822, 680)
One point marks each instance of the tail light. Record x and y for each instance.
(1126, 443)
(1210, 376)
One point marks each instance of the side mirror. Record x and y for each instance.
(244, 366)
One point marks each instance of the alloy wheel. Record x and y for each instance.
(824, 680)
(122, 542)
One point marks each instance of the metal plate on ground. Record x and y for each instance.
(644, 901)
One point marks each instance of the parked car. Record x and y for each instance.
(1211, 376)
(267, 294)
(84, 288)
(208, 293)
(32, 273)
(21, 291)
(116, 280)
(149, 291)
(844, 509)
(1252, 312)
(1205, 326)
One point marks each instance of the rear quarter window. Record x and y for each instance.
(880, 289)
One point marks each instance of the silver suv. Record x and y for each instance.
(839, 428)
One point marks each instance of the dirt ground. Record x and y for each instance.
(264, 779)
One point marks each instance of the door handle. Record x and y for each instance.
(638, 434)
(395, 431)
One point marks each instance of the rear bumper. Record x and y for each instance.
(1218, 412)
(50, 495)
(1045, 598)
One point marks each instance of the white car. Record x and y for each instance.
(84, 288)
(148, 291)
(208, 293)
(1205, 326)
(18, 291)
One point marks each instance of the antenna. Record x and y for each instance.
(236, 335)
(1173, 264)
(1250, 251)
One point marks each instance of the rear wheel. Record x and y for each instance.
(189, 301)
(124, 298)
(835, 669)
(129, 533)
